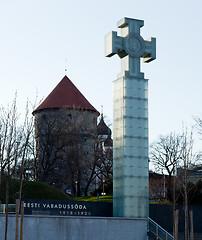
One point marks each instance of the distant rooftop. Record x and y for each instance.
(102, 128)
(65, 95)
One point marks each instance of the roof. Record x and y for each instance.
(102, 128)
(65, 95)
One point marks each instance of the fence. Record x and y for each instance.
(158, 231)
(11, 208)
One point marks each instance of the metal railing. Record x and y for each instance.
(11, 208)
(158, 231)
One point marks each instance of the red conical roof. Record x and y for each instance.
(65, 94)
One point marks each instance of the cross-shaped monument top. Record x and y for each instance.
(130, 44)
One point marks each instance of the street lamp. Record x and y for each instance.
(164, 185)
(28, 172)
(76, 187)
(103, 188)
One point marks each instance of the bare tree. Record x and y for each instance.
(80, 151)
(49, 146)
(198, 122)
(65, 147)
(13, 144)
(104, 162)
(8, 127)
(9, 135)
(169, 153)
(165, 153)
(27, 133)
(188, 161)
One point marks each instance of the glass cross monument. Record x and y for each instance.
(130, 133)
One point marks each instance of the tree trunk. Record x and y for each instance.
(174, 203)
(192, 225)
(7, 199)
(176, 224)
(22, 165)
(186, 211)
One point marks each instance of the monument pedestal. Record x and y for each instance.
(130, 166)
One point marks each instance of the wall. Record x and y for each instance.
(162, 214)
(75, 228)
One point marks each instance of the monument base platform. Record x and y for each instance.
(78, 228)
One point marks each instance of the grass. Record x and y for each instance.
(162, 202)
(107, 198)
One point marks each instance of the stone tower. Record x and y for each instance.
(65, 132)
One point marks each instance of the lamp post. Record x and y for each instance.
(164, 185)
(28, 172)
(103, 188)
(76, 187)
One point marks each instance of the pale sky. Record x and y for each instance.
(40, 38)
